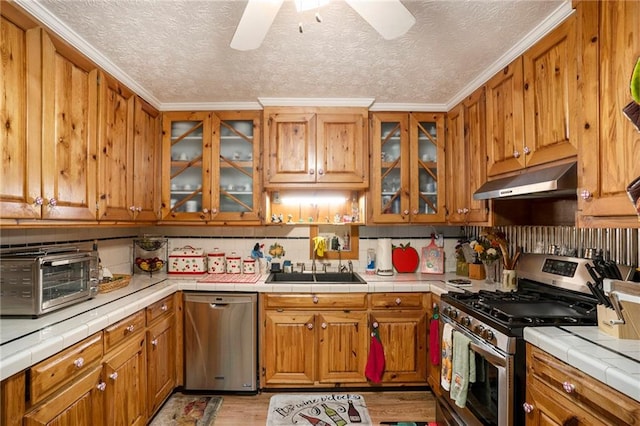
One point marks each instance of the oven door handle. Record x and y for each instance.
(491, 356)
(66, 261)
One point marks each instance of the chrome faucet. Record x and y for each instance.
(350, 263)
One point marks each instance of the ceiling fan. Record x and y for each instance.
(389, 17)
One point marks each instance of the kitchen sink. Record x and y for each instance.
(317, 278)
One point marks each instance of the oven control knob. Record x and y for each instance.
(466, 321)
(447, 311)
(479, 329)
(488, 334)
(455, 313)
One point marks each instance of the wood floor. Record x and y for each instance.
(242, 410)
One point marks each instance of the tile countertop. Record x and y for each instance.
(615, 362)
(24, 342)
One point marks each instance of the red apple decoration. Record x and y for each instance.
(405, 258)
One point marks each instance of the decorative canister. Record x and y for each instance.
(248, 266)
(234, 263)
(187, 260)
(217, 262)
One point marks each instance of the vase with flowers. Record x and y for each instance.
(488, 251)
(462, 267)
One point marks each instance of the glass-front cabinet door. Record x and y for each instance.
(407, 168)
(209, 171)
(236, 175)
(426, 133)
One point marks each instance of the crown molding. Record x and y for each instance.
(410, 107)
(211, 106)
(41, 13)
(561, 13)
(317, 102)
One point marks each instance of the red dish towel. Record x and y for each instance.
(375, 361)
(434, 342)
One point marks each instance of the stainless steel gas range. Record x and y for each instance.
(552, 291)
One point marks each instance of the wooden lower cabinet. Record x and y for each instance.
(81, 403)
(125, 376)
(303, 347)
(558, 394)
(161, 362)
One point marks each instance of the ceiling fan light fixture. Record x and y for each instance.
(304, 5)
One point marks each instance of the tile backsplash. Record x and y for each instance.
(115, 245)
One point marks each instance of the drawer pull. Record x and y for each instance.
(79, 362)
(398, 301)
(315, 299)
(130, 328)
(528, 408)
(154, 342)
(113, 375)
(568, 387)
(164, 307)
(101, 386)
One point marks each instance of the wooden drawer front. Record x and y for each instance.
(345, 301)
(160, 308)
(397, 301)
(611, 406)
(119, 331)
(50, 374)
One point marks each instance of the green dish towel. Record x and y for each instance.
(463, 369)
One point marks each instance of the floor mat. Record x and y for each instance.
(317, 409)
(188, 410)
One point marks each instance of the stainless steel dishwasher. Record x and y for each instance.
(221, 341)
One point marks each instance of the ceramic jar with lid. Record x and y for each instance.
(217, 262)
(234, 263)
(248, 266)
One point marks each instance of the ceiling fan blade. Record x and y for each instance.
(254, 24)
(389, 17)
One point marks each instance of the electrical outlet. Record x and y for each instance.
(440, 240)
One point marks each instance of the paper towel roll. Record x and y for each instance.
(383, 255)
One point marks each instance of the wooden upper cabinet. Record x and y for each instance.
(49, 115)
(128, 139)
(550, 92)
(324, 146)
(505, 120)
(609, 153)
(531, 117)
(466, 160)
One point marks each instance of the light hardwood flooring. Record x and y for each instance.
(250, 410)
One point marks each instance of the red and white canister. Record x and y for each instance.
(216, 261)
(248, 266)
(234, 263)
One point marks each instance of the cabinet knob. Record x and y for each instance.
(130, 328)
(315, 299)
(398, 301)
(113, 375)
(375, 324)
(568, 387)
(132, 208)
(214, 210)
(526, 150)
(324, 325)
(53, 202)
(459, 211)
(101, 386)
(38, 201)
(516, 154)
(320, 172)
(405, 212)
(465, 210)
(154, 342)
(79, 362)
(311, 171)
(164, 307)
(586, 194)
(528, 408)
(415, 212)
(138, 209)
(310, 326)
(205, 210)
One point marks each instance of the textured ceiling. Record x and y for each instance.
(177, 52)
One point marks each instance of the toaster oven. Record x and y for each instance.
(37, 281)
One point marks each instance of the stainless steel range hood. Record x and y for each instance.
(556, 181)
